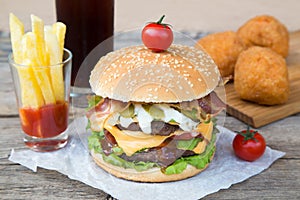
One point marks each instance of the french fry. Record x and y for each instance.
(16, 33)
(52, 46)
(40, 50)
(44, 81)
(37, 26)
(59, 29)
(42, 73)
(31, 94)
(29, 52)
(56, 71)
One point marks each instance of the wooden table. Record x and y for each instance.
(280, 181)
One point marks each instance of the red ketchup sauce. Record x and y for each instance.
(46, 121)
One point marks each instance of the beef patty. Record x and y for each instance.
(157, 127)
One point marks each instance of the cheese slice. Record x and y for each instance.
(133, 141)
(206, 130)
(130, 143)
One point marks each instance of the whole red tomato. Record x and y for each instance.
(249, 145)
(157, 36)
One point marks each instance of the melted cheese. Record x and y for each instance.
(130, 143)
(206, 130)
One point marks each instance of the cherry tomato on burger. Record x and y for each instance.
(249, 145)
(157, 36)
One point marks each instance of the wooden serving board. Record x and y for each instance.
(258, 115)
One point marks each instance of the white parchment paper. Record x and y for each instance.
(75, 162)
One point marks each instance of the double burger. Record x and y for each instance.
(152, 118)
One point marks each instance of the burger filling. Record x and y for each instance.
(145, 135)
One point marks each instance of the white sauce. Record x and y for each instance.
(185, 123)
(144, 118)
(125, 122)
(114, 118)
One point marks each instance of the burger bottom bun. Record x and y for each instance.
(152, 175)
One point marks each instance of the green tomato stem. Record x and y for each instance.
(248, 135)
(160, 20)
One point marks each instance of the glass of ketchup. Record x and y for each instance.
(43, 101)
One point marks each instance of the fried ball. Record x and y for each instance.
(265, 31)
(224, 48)
(261, 76)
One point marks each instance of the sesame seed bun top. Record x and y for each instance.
(181, 73)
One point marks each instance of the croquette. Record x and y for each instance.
(265, 31)
(224, 48)
(261, 76)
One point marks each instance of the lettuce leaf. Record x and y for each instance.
(93, 101)
(198, 161)
(176, 168)
(188, 144)
(114, 159)
(138, 166)
(94, 141)
(192, 114)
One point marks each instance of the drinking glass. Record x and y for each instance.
(42, 94)
(89, 22)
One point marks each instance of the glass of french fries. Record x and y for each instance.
(41, 71)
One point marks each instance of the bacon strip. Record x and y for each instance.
(211, 104)
(103, 107)
(106, 106)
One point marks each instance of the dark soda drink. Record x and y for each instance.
(89, 22)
